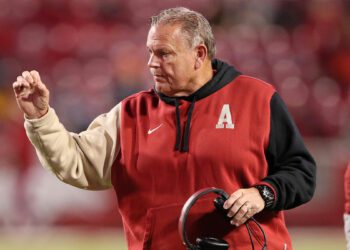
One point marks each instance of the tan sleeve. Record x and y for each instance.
(83, 160)
(346, 218)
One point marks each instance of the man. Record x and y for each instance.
(156, 147)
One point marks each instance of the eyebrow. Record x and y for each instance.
(161, 47)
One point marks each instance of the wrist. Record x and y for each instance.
(37, 115)
(267, 195)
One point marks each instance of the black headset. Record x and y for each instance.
(211, 243)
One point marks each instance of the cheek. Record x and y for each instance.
(168, 70)
(178, 71)
(184, 70)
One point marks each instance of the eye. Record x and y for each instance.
(163, 53)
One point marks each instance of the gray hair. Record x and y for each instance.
(193, 24)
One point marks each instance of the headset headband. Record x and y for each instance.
(186, 209)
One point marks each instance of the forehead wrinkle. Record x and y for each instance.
(165, 35)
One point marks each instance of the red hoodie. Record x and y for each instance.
(232, 133)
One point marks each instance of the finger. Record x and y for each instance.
(22, 83)
(241, 215)
(237, 202)
(17, 87)
(249, 214)
(243, 220)
(36, 76)
(232, 199)
(26, 75)
(20, 90)
(21, 87)
(38, 83)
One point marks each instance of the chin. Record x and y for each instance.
(161, 88)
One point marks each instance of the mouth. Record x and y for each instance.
(159, 78)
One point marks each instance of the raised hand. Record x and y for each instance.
(31, 94)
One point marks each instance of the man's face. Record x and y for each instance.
(172, 60)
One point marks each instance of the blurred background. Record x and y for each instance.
(91, 54)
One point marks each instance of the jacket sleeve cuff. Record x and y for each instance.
(33, 124)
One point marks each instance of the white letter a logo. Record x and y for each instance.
(225, 119)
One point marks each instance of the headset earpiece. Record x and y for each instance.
(219, 203)
(210, 243)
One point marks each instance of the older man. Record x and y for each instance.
(204, 124)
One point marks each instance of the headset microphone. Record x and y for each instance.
(210, 243)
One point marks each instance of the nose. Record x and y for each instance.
(153, 62)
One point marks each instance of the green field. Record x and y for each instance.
(68, 239)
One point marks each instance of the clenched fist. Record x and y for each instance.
(31, 94)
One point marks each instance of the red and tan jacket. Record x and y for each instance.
(156, 151)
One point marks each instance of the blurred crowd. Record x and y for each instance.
(92, 54)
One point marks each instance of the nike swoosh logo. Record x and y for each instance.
(150, 131)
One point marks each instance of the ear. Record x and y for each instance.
(201, 55)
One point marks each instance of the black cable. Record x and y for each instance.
(250, 234)
(262, 231)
